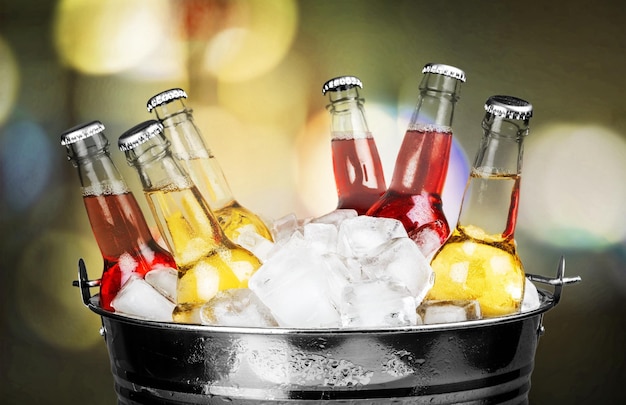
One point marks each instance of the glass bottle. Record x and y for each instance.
(414, 195)
(479, 261)
(119, 226)
(189, 148)
(207, 260)
(356, 164)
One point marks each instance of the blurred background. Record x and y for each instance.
(253, 71)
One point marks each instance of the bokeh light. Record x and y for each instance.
(46, 300)
(573, 190)
(248, 155)
(276, 97)
(127, 104)
(167, 63)
(258, 37)
(9, 84)
(26, 163)
(314, 172)
(104, 37)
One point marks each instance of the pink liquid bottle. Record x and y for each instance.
(356, 164)
(414, 196)
(118, 224)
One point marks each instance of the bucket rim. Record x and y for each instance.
(547, 302)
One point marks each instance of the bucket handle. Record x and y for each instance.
(557, 282)
(84, 283)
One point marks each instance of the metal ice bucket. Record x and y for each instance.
(477, 362)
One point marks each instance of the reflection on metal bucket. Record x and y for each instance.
(478, 362)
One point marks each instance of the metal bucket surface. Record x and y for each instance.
(477, 362)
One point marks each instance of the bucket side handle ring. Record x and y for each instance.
(557, 282)
(84, 283)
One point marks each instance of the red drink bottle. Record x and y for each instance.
(356, 164)
(118, 224)
(414, 195)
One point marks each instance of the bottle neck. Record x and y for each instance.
(156, 167)
(189, 149)
(97, 173)
(422, 162)
(435, 104)
(180, 129)
(347, 115)
(501, 148)
(491, 199)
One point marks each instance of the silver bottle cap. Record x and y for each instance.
(445, 70)
(139, 134)
(509, 107)
(165, 97)
(80, 132)
(341, 83)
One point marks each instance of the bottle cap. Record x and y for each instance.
(81, 132)
(165, 97)
(341, 83)
(139, 134)
(509, 107)
(445, 70)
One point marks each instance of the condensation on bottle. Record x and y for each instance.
(480, 261)
(128, 247)
(208, 261)
(414, 195)
(189, 148)
(357, 168)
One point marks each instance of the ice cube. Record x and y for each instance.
(200, 283)
(249, 239)
(377, 303)
(444, 311)
(128, 265)
(363, 233)
(164, 280)
(236, 307)
(401, 260)
(294, 284)
(335, 217)
(139, 299)
(322, 237)
(531, 299)
(427, 240)
(284, 227)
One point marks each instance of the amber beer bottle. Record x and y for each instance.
(479, 261)
(356, 164)
(207, 260)
(414, 195)
(189, 148)
(120, 229)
